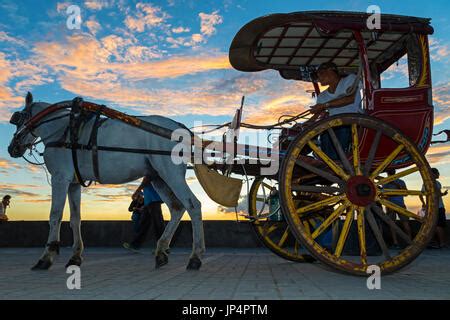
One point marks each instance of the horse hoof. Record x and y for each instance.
(161, 259)
(194, 264)
(74, 262)
(42, 265)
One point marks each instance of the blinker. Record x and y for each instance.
(19, 118)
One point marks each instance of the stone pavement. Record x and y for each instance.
(237, 274)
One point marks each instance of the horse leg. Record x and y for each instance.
(194, 208)
(161, 256)
(176, 212)
(75, 224)
(198, 245)
(174, 177)
(59, 192)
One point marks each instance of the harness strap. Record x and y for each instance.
(77, 146)
(93, 144)
(75, 122)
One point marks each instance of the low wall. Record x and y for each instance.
(114, 233)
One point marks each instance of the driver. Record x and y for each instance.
(340, 97)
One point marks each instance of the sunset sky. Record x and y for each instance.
(167, 58)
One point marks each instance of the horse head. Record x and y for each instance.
(23, 137)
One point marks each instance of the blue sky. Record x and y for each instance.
(161, 57)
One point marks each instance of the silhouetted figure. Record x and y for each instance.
(137, 208)
(440, 229)
(151, 215)
(4, 205)
(397, 184)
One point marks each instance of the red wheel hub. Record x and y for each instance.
(360, 191)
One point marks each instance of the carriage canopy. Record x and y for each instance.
(303, 40)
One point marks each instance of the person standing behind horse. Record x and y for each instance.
(151, 215)
(4, 205)
(136, 207)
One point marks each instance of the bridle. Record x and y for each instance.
(28, 123)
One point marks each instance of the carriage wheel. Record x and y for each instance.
(273, 230)
(353, 187)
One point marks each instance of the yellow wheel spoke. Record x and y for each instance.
(322, 173)
(398, 175)
(386, 162)
(355, 149)
(340, 152)
(344, 232)
(307, 227)
(328, 221)
(400, 210)
(320, 204)
(296, 245)
(269, 229)
(362, 235)
(377, 233)
(390, 223)
(397, 192)
(284, 237)
(317, 189)
(333, 166)
(372, 152)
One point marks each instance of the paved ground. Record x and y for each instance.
(226, 274)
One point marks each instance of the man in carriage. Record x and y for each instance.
(342, 96)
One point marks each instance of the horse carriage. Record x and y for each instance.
(315, 204)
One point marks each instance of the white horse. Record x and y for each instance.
(115, 168)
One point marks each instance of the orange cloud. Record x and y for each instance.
(192, 41)
(8, 167)
(439, 154)
(173, 67)
(4, 37)
(438, 51)
(21, 191)
(180, 30)
(6, 164)
(26, 73)
(8, 99)
(207, 29)
(146, 16)
(93, 26)
(97, 4)
(209, 21)
(441, 99)
(84, 57)
(62, 6)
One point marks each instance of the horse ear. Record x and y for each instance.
(28, 100)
